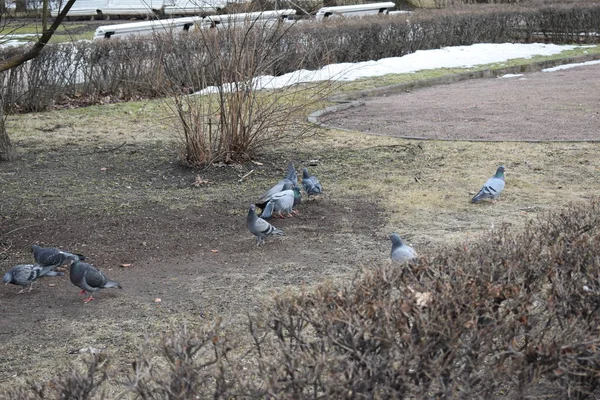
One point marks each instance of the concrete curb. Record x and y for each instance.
(349, 100)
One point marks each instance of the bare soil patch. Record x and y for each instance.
(560, 105)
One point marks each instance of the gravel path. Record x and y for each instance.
(560, 105)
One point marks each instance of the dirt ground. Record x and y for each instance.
(189, 245)
(565, 103)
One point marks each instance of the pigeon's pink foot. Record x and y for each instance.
(295, 212)
(88, 299)
(82, 292)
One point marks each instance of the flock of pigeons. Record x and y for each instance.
(278, 200)
(83, 275)
(286, 194)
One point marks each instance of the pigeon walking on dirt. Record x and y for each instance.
(492, 188)
(401, 252)
(259, 227)
(90, 279)
(26, 274)
(47, 256)
(310, 183)
(281, 202)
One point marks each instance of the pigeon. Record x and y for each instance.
(26, 274)
(492, 188)
(281, 202)
(259, 227)
(90, 279)
(401, 252)
(310, 183)
(47, 256)
(290, 177)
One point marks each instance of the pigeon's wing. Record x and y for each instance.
(48, 256)
(291, 174)
(275, 189)
(94, 278)
(285, 202)
(490, 190)
(25, 273)
(316, 185)
(262, 227)
(311, 185)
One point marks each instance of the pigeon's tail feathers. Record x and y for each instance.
(267, 211)
(47, 270)
(54, 273)
(485, 193)
(112, 284)
(276, 231)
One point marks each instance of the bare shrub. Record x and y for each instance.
(234, 120)
(82, 383)
(513, 314)
(189, 364)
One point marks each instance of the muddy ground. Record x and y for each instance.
(121, 201)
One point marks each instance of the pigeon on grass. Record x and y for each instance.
(259, 227)
(492, 187)
(311, 184)
(281, 202)
(26, 274)
(90, 279)
(51, 256)
(401, 252)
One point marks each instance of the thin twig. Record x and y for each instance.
(245, 176)
(111, 149)
(6, 249)
(22, 227)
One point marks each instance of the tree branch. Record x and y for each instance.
(39, 45)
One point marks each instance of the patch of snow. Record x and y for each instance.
(568, 66)
(447, 57)
(510, 75)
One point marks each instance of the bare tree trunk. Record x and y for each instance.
(7, 151)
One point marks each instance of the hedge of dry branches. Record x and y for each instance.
(96, 72)
(512, 315)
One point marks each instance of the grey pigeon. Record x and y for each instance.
(281, 202)
(492, 188)
(47, 256)
(259, 227)
(401, 252)
(26, 274)
(310, 183)
(90, 279)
